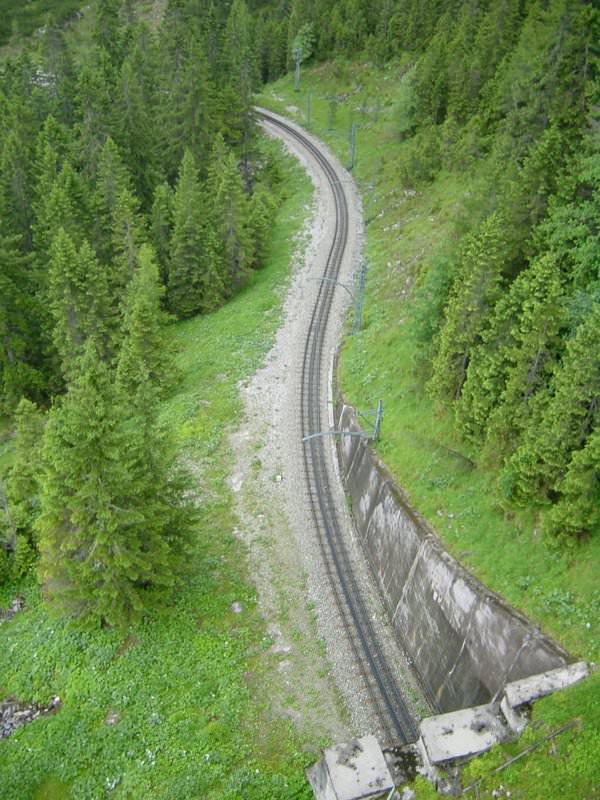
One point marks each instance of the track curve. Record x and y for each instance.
(377, 673)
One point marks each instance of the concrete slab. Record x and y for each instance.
(353, 771)
(459, 734)
(529, 689)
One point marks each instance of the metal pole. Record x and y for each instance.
(352, 144)
(297, 56)
(360, 297)
(308, 110)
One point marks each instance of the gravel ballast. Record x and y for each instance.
(272, 498)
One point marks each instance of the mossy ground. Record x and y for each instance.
(408, 227)
(188, 725)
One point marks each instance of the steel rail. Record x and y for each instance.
(378, 675)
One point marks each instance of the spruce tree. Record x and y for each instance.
(22, 490)
(260, 216)
(96, 90)
(145, 354)
(161, 227)
(475, 291)
(536, 348)
(187, 110)
(576, 515)
(230, 216)
(21, 357)
(78, 299)
(114, 525)
(62, 206)
(108, 30)
(135, 129)
(128, 234)
(566, 416)
(113, 179)
(515, 358)
(195, 280)
(15, 188)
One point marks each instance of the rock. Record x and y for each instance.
(236, 607)
(15, 714)
(7, 614)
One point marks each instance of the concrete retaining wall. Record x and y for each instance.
(465, 642)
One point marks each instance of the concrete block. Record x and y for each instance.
(460, 734)
(529, 689)
(353, 771)
(516, 722)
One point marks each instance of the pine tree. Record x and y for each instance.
(114, 525)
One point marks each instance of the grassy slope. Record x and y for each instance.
(189, 726)
(559, 591)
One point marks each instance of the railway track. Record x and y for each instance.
(378, 675)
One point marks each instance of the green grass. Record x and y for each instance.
(189, 726)
(408, 228)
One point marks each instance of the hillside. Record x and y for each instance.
(136, 190)
(473, 218)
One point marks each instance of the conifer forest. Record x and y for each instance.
(147, 225)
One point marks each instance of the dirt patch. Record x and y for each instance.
(130, 641)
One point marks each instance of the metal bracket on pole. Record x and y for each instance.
(337, 283)
(373, 437)
(368, 415)
(357, 434)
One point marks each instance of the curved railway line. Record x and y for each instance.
(377, 673)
